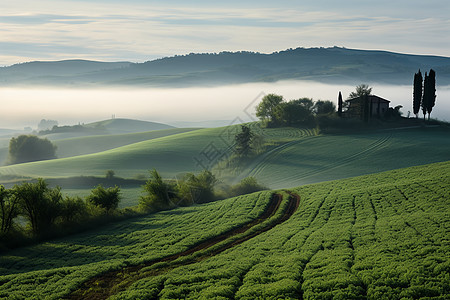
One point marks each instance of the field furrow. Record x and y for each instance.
(105, 285)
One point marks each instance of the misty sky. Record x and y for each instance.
(138, 30)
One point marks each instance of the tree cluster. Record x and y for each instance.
(45, 209)
(192, 189)
(424, 93)
(28, 148)
(274, 111)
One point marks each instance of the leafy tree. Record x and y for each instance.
(197, 189)
(105, 198)
(8, 209)
(158, 193)
(295, 112)
(361, 90)
(322, 107)
(243, 141)
(26, 148)
(267, 107)
(40, 204)
(340, 104)
(417, 93)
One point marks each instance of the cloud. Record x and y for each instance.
(139, 30)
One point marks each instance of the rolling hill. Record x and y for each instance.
(294, 157)
(383, 235)
(336, 65)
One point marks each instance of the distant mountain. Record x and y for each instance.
(337, 65)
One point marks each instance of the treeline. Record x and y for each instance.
(33, 211)
(273, 110)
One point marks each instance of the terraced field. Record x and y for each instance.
(369, 237)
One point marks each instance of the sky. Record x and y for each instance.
(138, 30)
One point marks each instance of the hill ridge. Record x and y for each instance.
(334, 64)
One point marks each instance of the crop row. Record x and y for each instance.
(349, 239)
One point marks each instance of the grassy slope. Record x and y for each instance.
(329, 157)
(303, 158)
(172, 155)
(380, 234)
(93, 144)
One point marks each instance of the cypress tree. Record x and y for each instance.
(417, 93)
(340, 103)
(431, 92)
(426, 93)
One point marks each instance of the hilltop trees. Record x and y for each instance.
(27, 148)
(266, 109)
(340, 104)
(292, 113)
(427, 99)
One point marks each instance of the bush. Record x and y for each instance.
(27, 148)
(158, 193)
(246, 186)
(197, 189)
(107, 199)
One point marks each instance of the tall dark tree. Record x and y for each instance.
(417, 93)
(340, 104)
(431, 92)
(426, 96)
(243, 141)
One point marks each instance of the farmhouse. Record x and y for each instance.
(377, 107)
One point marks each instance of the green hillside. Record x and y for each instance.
(376, 236)
(296, 156)
(93, 144)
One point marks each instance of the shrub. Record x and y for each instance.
(107, 199)
(158, 193)
(246, 186)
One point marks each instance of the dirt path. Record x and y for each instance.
(110, 283)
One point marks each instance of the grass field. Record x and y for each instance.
(381, 235)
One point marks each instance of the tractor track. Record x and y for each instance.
(113, 282)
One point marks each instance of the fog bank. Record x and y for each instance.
(26, 107)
